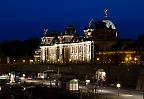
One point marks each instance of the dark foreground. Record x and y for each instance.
(36, 92)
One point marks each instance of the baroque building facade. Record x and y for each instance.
(99, 45)
(64, 48)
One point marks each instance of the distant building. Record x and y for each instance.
(98, 45)
(64, 48)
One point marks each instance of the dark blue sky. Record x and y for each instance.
(22, 19)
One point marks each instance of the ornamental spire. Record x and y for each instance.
(90, 23)
(45, 32)
(106, 13)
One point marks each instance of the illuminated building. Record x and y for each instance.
(96, 46)
(64, 48)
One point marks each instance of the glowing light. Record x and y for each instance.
(126, 59)
(118, 85)
(135, 59)
(130, 58)
(23, 61)
(98, 59)
(31, 61)
(23, 75)
(42, 76)
(103, 73)
(87, 82)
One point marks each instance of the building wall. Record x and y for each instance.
(70, 52)
(81, 52)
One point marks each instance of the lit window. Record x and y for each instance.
(31, 60)
(135, 59)
(126, 59)
(98, 59)
(130, 58)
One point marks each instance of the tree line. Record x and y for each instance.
(17, 50)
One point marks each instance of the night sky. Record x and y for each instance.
(22, 19)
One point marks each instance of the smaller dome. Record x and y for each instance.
(109, 24)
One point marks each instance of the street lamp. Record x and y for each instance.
(23, 75)
(118, 86)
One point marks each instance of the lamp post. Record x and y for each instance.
(118, 86)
